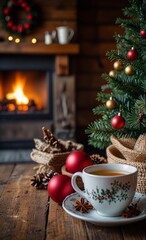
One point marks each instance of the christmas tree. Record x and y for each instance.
(121, 109)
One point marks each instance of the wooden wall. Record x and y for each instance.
(52, 13)
(96, 28)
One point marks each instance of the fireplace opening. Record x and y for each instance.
(32, 95)
(25, 93)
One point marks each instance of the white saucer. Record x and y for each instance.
(93, 217)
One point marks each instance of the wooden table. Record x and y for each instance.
(26, 214)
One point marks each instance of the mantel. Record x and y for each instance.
(61, 52)
(39, 48)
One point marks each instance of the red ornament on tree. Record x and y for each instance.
(143, 33)
(132, 54)
(118, 121)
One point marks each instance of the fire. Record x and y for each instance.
(18, 94)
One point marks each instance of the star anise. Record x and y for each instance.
(82, 205)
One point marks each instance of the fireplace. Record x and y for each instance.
(33, 96)
(25, 99)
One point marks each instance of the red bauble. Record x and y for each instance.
(10, 24)
(28, 8)
(20, 28)
(6, 10)
(60, 187)
(29, 17)
(14, 28)
(24, 5)
(143, 33)
(27, 26)
(77, 161)
(132, 54)
(118, 121)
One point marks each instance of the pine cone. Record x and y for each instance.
(40, 180)
(97, 159)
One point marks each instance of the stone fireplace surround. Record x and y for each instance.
(24, 128)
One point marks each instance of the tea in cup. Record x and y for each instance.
(64, 34)
(110, 188)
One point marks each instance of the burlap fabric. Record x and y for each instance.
(115, 156)
(54, 161)
(132, 149)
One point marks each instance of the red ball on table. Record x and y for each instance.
(59, 187)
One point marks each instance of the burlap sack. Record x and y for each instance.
(115, 156)
(53, 160)
(132, 149)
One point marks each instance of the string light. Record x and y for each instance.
(10, 38)
(17, 40)
(34, 40)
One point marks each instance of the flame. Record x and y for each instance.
(18, 93)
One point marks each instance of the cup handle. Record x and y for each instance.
(71, 33)
(74, 183)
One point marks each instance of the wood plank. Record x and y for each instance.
(103, 4)
(94, 84)
(58, 4)
(96, 49)
(62, 226)
(99, 33)
(136, 231)
(93, 65)
(5, 173)
(23, 208)
(83, 102)
(98, 16)
(59, 14)
(39, 48)
(85, 117)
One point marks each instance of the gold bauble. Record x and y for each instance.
(112, 73)
(129, 70)
(110, 104)
(118, 65)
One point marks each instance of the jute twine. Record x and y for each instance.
(115, 156)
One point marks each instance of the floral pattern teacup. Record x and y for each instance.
(110, 188)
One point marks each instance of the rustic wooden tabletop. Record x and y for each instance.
(27, 214)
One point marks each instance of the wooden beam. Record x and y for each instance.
(62, 65)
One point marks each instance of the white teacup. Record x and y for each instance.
(64, 34)
(110, 188)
